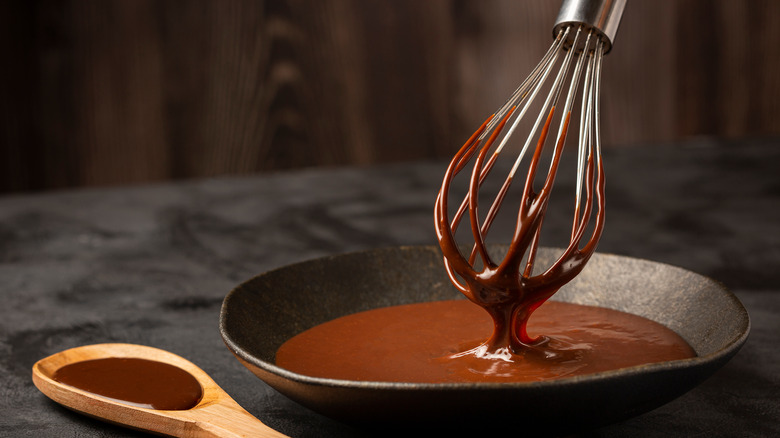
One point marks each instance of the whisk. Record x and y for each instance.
(510, 289)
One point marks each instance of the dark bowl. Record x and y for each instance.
(261, 314)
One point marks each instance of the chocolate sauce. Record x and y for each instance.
(136, 382)
(426, 343)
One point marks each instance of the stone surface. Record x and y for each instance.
(151, 264)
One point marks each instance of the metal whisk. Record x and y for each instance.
(511, 289)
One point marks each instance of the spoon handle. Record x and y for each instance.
(227, 419)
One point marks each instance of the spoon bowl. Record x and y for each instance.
(215, 415)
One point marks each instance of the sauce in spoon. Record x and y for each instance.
(138, 382)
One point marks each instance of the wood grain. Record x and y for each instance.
(104, 92)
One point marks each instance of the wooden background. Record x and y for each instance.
(105, 92)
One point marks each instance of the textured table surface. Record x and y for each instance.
(151, 264)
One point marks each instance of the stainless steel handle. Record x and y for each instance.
(602, 15)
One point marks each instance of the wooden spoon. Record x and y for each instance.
(216, 415)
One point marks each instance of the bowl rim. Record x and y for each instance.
(723, 353)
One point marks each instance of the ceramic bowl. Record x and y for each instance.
(262, 313)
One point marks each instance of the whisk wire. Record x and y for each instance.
(550, 102)
(588, 140)
(536, 85)
(519, 95)
(584, 144)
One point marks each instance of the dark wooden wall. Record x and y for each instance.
(102, 92)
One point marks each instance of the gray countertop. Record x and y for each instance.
(151, 265)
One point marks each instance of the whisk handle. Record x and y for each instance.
(601, 15)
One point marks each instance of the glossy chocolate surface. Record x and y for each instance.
(433, 343)
(137, 382)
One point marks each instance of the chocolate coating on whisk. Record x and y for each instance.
(511, 289)
(507, 290)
